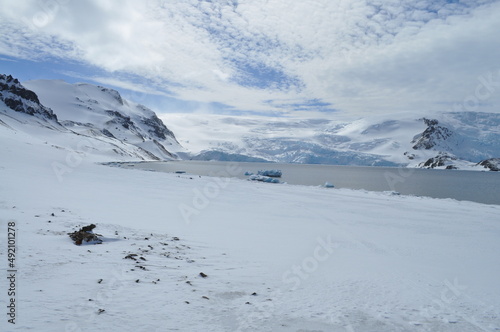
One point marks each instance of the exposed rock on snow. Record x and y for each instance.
(442, 159)
(431, 136)
(18, 98)
(86, 235)
(493, 164)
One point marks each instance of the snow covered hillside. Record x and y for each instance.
(221, 254)
(94, 119)
(453, 140)
(464, 140)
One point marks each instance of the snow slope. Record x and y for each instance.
(98, 111)
(388, 140)
(317, 259)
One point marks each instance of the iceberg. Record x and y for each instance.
(262, 178)
(274, 173)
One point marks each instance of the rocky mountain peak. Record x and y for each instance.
(22, 100)
(433, 135)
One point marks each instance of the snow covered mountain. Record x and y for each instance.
(124, 130)
(446, 140)
(15, 97)
(100, 117)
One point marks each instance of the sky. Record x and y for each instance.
(308, 58)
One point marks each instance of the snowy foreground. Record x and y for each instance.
(277, 257)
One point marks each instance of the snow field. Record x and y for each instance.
(317, 259)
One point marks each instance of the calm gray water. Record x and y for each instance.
(482, 187)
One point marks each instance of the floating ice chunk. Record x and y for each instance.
(329, 185)
(274, 173)
(262, 178)
(248, 173)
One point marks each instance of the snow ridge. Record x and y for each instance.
(111, 125)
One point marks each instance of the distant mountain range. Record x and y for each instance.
(447, 140)
(112, 127)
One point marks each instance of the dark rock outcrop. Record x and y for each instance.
(121, 119)
(432, 135)
(85, 234)
(157, 127)
(442, 159)
(22, 100)
(493, 164)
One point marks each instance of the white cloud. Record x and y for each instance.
(359, 56)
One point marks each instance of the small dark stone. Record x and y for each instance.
(52, 214)
(88, 228)
(203, 275)
(254, 294)
(99, 281)
(205, 297)
(130, 256)
(137, 281)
